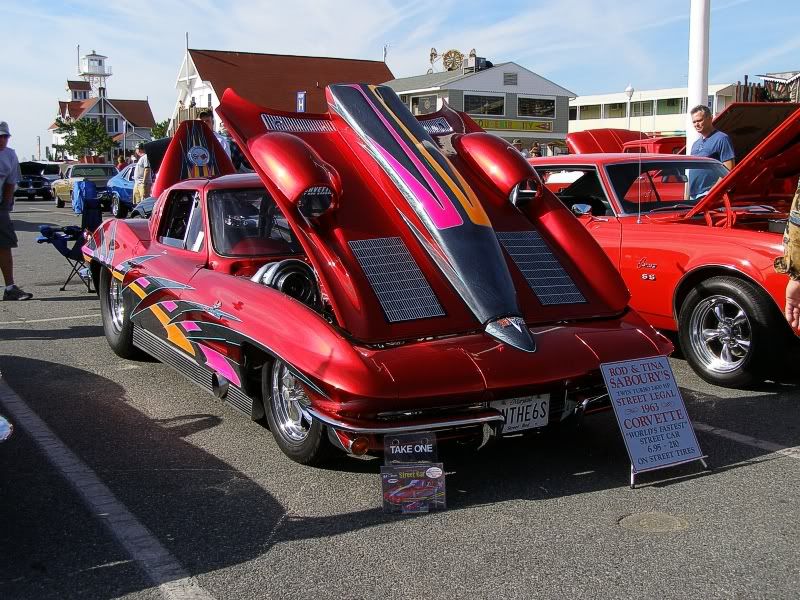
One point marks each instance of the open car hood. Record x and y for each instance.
(192, 152)
(32, 167)
(773, 137)
(416, 239)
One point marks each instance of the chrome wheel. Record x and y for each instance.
(720, 333)
(115, 205)
(116, 305)
(287, 397)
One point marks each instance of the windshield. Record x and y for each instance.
(663, 185)
(247, 222)
(94, 171)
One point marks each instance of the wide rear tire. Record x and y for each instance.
(299, 437)
(115, 310)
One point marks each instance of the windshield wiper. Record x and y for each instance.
(671, 207)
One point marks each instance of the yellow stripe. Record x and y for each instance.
(470, 202)
(174, 334)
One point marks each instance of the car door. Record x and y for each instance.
(179, 249)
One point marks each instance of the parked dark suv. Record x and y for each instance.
(36, 179)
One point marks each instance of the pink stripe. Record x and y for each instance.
(442, 219)
(170, 305)
(220, 364)
(441, 197)
(143, 281)
(190, 326)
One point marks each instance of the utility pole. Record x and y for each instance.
(39, 147)
(699, 25)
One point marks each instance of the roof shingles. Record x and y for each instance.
(274, 79)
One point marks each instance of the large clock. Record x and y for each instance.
(452, 60)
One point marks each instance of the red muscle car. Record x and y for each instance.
(377, 275)
(695, 243)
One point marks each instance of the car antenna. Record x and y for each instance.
(639, 193)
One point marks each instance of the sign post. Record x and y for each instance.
(651, 414)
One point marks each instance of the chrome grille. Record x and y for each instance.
(437, 126)
(295, 125)
(402, 290)
(547, 278)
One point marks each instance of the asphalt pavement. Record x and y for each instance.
(125, 480)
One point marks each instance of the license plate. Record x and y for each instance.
(524, 413)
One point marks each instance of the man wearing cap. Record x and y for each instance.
(142, 181)
(9, 176)
(517, 143)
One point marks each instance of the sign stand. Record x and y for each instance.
(651, 415)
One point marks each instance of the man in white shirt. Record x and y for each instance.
(142, 181)
(9, 176)
(207, 117)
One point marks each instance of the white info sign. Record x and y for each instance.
(651, 414)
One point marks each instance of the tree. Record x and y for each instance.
(160, 129)
(84, 137)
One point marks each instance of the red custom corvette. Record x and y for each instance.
(694, 243)
(378, 275)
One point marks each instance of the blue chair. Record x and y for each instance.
(68, 241)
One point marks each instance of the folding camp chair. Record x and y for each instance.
(68, 241)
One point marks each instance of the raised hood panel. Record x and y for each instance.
(193, 152)
(409, 248)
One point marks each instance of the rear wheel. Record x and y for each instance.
(300, 437)
(727, 330)
(118, 209)
(115, 311)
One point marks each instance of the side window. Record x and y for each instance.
(182, 221)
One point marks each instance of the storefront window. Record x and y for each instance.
(423, 105)
(590, 111)
(642, 109)
(614, 111)
(484, 105)
(669, 106)
(540, 108)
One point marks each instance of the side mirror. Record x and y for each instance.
(581, 210)
(524, 192)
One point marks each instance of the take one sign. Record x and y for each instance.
(651, 413)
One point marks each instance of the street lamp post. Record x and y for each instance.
(629, 95)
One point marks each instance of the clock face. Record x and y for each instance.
(452, 60)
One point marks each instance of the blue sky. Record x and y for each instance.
(587, 46)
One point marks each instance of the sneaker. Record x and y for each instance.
(16, 293)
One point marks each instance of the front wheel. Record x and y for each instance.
(115, 311)
(300, 437)
(727, 330)
(59, 201)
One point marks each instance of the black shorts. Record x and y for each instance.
(8, 239)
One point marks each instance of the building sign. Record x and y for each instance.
(301, 102)
(513, 124)
(650, 413)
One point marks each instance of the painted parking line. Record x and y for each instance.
(157, 562)
(791, 452)
(49, 319)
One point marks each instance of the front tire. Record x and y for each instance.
(727, 330)
(115, 311)
(299, 437)
(59, 201)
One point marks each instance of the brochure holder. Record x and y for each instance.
(411, 479)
